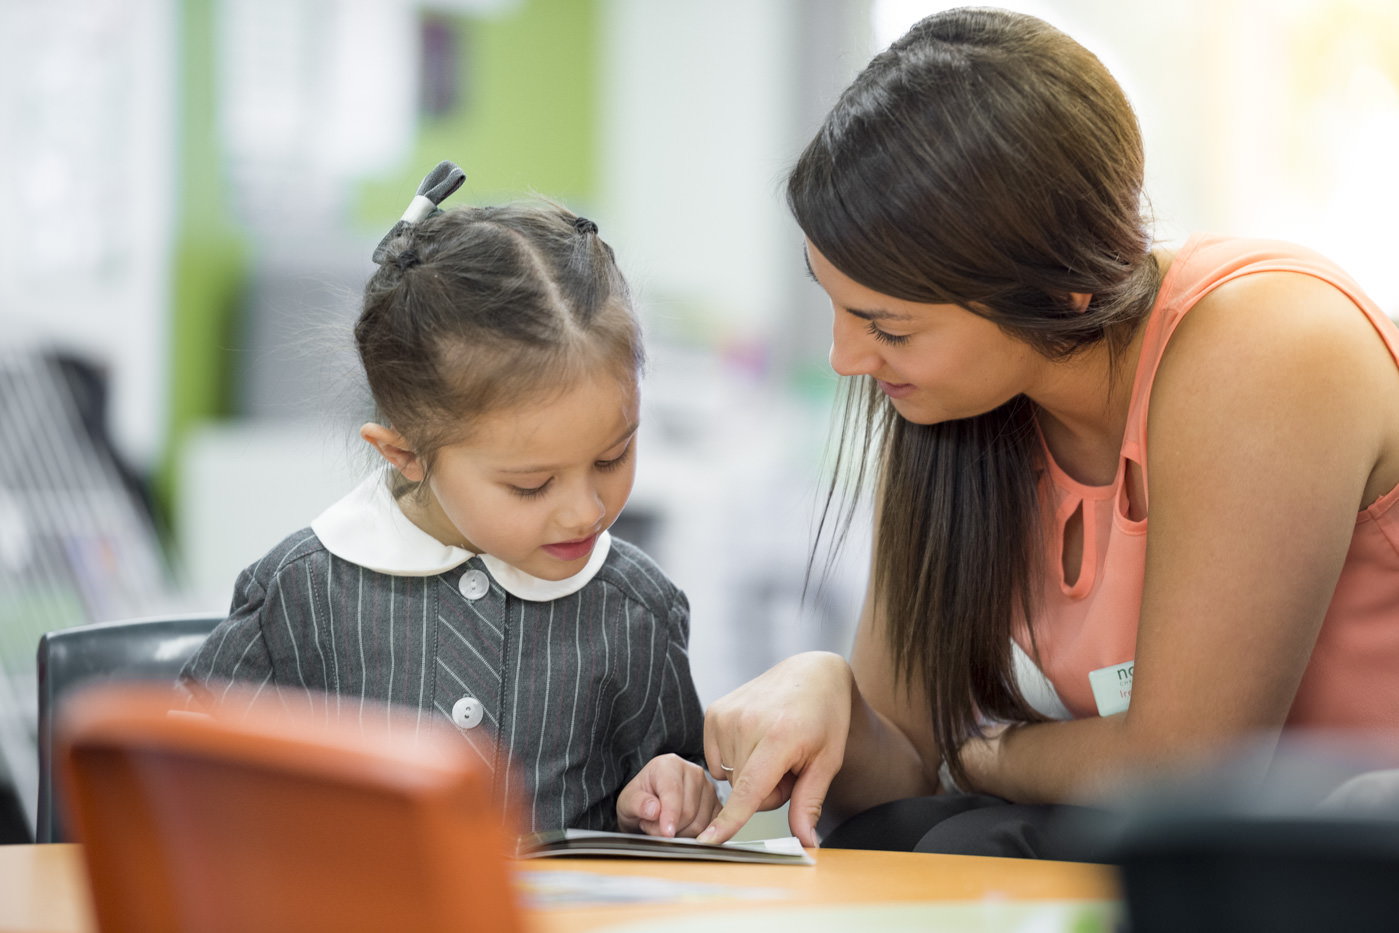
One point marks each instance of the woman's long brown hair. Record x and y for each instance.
(988, 160)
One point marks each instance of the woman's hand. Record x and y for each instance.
(780, 738)
(668, 797)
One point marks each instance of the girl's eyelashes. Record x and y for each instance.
(532, 492)
(893, 340)
(616, 462)
(606, 466)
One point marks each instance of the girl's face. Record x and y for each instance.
(936, 362)
(536, 484)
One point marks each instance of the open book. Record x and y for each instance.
(783, 851)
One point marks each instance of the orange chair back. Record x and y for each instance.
(279, 821)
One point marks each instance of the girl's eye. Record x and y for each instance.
(893, 340)
(531, 493)
(616, 462)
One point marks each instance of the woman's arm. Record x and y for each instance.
(1273, 421)
(890, 754)
(832, 738)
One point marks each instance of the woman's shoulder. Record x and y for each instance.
(1287, 345)
(1248, 298)
(1308, 310)
(1216, 249)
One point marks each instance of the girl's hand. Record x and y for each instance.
(669, 797)
(780, 737)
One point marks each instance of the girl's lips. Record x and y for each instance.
(572, 550)
(896, 389)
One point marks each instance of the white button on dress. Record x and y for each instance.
(474, 584)
(468, 712)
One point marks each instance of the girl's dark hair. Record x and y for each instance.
(477, 308)
(987, 160)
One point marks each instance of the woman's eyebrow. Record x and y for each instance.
(864, 315)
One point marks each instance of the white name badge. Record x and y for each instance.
(1112, 687)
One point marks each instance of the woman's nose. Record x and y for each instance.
(852, 350)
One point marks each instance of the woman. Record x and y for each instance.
(972, 206)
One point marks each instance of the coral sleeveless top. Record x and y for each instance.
(1086, 633)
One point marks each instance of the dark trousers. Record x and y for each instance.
(972, 824)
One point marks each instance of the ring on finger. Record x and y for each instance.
(725, 768)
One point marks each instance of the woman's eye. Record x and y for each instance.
(533, 492)
(893, 340)
(616, 462)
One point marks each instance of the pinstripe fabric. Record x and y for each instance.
(579, 692)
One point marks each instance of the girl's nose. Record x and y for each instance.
(852, 350)
(584, 510)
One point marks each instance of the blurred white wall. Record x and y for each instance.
(698, 129)
(706, 106)
(87, 172)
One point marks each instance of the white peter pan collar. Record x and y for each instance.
(368, 528)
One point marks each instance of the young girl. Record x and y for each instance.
(474, 577)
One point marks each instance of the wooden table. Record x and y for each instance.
(43, 888)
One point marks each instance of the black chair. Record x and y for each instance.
(151, 649)
(1287, 835)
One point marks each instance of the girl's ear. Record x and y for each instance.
(394, 448)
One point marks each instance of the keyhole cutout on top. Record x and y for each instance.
(1072, 552)
(1132, 499)
(1131, 504)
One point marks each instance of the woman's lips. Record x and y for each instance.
(572, 550)
(896, 389)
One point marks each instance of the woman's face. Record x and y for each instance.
(936, 362)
